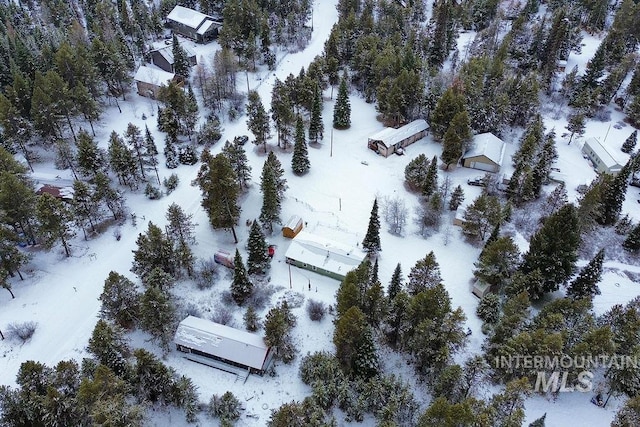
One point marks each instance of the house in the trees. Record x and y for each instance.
(222, 347)
(487, 153)
(193, 24)
(322, 255)
(292, 227)
(481, 288)
(62, 193)
(390, 140)
(149, 80)
(600, 157)
(163, 58)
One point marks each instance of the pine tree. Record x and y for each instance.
(108, 344)
(614, 195)
(251, 319)
(424, 275)
(576, 125)
(586, 284)
(431, 179)
(348, 336)
(181, 65)
(415, 173)
(84, 206)
(395, 285)
(282, 110)
(133, 136)
(371, 242)
(273, 186)
(239, 162)
(155, 249)
(258, 259)
(366, 363)
(300, 160)
(122, 161)
(316, 126)
(630, 143)
(120, 300)
(219, 187)
(55, 220)
(11, 258)
(450, 103)
(278, 324)
(91, 159)
(342, 109)
(241, 287)
(632, 242)
(457, 197)
(553, 249)
(158, 315)
(498, 261)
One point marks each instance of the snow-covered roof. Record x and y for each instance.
(222, 341)
(167, 53)
(189, 17)
(206, 26)
(488, 145)
(324, 253)
(293, 222)
(153, 76)
(59, 192)
(607, 159)
(391, 136)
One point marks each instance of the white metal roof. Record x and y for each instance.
(391, 136)
(293, 222)
(222, 341)
(189, 17)
(324, 253)
(153, 76)
(607, 159)
(488, 145)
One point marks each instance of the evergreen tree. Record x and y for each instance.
(91, 159)
(155, 249)
(630, 143)
(430, 184)
(457, 197)
(456, 138)
(342, 109)
(553, 249)
(84, 206)
(133, 136)
(316, 126)
(371, 242)
(11, 258)
(273, 186)
(258, 260)
(251, 319)
(239, 162)
(366, 363)
(278, 324)
(628, 415)
(108, 344)
(55, 220)
(158, 315)
(614, 196)
(18, 203)
(586, 284)
(498, 261)
(395, 285)
(489, 308)
(120, 300)
(111, 197)
(181, 65)
(450, 103)
(576, 125)
(632, 242)
(424, 275)
(241, 287)
(180, 231)
(122, 161)
(482, 215)
(219, 187)
(300, 160)
(348, 338)
(415, 173)
(282, 110)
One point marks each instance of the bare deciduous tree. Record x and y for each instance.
(395, 213)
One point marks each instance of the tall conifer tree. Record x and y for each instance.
(371, 242)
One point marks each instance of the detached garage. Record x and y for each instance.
(222, 347)
(390, 140)
(487, 153)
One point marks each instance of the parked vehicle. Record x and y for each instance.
(241, 139)
(478, 182)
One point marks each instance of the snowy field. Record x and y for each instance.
(334, 199)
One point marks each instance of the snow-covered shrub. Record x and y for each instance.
(152, 192)
(171, 183)
(488, 309)
(293, 299)
(191, 310)
(206, 273)
(209, 133)
(22, 331)
(188, 155)
(261, 296)
(316, 310)
(222, 315)
(226, 407)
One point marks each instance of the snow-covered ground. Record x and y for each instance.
(334, 199)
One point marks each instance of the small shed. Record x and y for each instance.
(323, 256)
(601, 158)
(233, 348)
(480, 288)
(149, 80)
(163, 58)
(193, 24)
(292, 227)
(458, 219)
(487, 153)
(223, 258)
(390, 140)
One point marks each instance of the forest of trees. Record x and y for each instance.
(62, 64)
